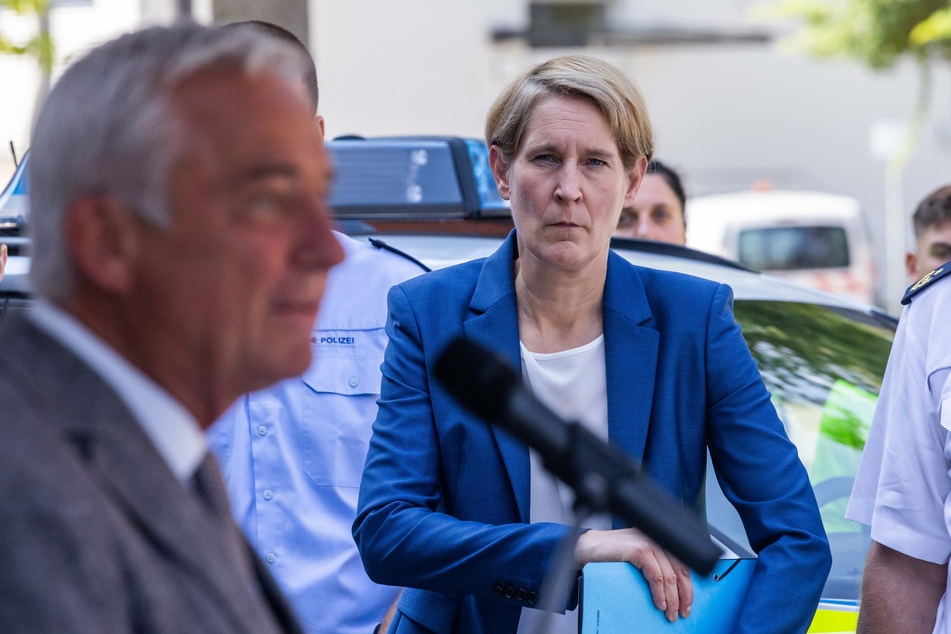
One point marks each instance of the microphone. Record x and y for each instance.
(603, 477)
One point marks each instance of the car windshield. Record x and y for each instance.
(824, 368)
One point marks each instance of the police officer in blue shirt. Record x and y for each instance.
(293, 454)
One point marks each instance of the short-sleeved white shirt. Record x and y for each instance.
(904, 479)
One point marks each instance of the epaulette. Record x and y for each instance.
(379, 244)
(927, 280)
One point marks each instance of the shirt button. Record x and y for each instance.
(270, 558)
(497, 590)
(262, 430)
(354, 381)
(521, 594)
(532, 598)
(509, 592)
(268, 494)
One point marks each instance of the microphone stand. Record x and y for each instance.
(591, 497)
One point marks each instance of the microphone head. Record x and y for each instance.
(477, 377)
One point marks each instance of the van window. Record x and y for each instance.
(793, 248)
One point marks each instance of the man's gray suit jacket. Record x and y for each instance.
(96, 533)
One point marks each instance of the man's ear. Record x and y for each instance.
(319, 122)
(911, 263)
(634, 177)
(103, 239)
(499, 171)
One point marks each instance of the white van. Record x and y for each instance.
(820, 240)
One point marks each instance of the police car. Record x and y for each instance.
(822, 356)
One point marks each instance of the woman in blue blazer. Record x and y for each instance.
(459, 512)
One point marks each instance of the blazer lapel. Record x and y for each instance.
(494, 324)
(126, 467)
(129, 469)
(631, 348)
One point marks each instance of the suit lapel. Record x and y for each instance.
(631, 355)
(494, 324)
(631, 348)
(168, 515)
(126, 467)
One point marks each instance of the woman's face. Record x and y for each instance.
(567, 184)
(655, 215)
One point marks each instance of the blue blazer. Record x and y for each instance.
(444, 500)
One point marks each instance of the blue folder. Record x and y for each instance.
(615, 598)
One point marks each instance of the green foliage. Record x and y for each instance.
(934, 34)
(40, 46)
(874, 32)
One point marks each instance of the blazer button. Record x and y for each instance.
(521, 594)
(497, 590)
(509, 592)
(532, 598)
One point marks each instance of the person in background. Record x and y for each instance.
(3, 259)
(902, 488)
(658, 209)
(932, 224)
(181, 244)
(462, 514)
(293, 454)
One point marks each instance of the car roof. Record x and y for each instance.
(441, 250)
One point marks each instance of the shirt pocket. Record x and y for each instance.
(338, 405)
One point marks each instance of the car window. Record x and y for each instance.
(793, 248)
(824, 368)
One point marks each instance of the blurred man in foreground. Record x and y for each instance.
(181, 247)
(294, 453)
(932, 223)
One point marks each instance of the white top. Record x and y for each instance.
(573, 384)
(902, 486)
(172, 429)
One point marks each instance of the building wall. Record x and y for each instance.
(728, 115)
(74, 28)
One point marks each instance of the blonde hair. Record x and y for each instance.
(581, 77)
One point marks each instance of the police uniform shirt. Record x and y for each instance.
(902, 486)
(293, 454)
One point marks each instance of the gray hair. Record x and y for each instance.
(108, 128)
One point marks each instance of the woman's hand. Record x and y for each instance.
(669, 580)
